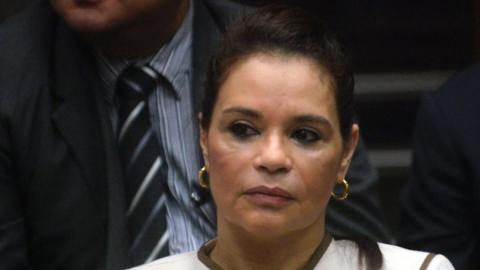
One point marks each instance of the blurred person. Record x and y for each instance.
(440, 202)
(277, 136)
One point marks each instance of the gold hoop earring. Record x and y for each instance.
(344, 194)
(201, 177)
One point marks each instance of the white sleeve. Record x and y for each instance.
(439, 262)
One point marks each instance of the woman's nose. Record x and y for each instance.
(273, 155)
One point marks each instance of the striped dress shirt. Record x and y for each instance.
(174, 123)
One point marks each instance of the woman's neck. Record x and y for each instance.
(237, 249)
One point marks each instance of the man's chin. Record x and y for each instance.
(84, 19)
(89, 25)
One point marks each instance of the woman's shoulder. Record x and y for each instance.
(181, 261)
(395, 257)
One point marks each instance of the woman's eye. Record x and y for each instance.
(242, 130)
(305, 136)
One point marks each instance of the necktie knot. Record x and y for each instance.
(137, 82)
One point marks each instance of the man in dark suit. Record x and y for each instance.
(441, 202)
(62, 190)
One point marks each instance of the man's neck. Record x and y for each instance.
(143, 38)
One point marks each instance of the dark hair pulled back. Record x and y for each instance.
(283, 30)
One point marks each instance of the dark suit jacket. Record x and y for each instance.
(441, 203)
(61, 197)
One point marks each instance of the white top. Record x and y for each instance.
(185, 261)
(340, 254)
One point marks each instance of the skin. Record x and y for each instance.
(275, 125)
(123, 28)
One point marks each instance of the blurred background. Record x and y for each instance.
(401, 50)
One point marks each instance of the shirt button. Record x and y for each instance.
(195, 197)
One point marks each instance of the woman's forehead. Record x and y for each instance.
(280, 83)
(276, 74)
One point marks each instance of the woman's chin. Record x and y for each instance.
(265, 227)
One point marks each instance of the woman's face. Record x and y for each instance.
(274, 147)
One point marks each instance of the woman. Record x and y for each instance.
(277, 135)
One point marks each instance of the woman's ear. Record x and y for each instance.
(348, 151)
(203, 139)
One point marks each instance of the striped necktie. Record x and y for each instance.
(145, 169)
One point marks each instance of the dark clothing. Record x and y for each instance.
(62, 202)
(441, 203)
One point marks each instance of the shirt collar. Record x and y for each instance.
(171, 60)
(174, 58)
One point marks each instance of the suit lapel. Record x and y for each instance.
(76, 117)
(210, 20)
(205, 37)
(206, 34)
(83, 120)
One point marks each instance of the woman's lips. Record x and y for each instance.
(87, 2)
(269, 197)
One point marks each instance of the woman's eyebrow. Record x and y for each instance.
(311, 118)
(243, 110)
